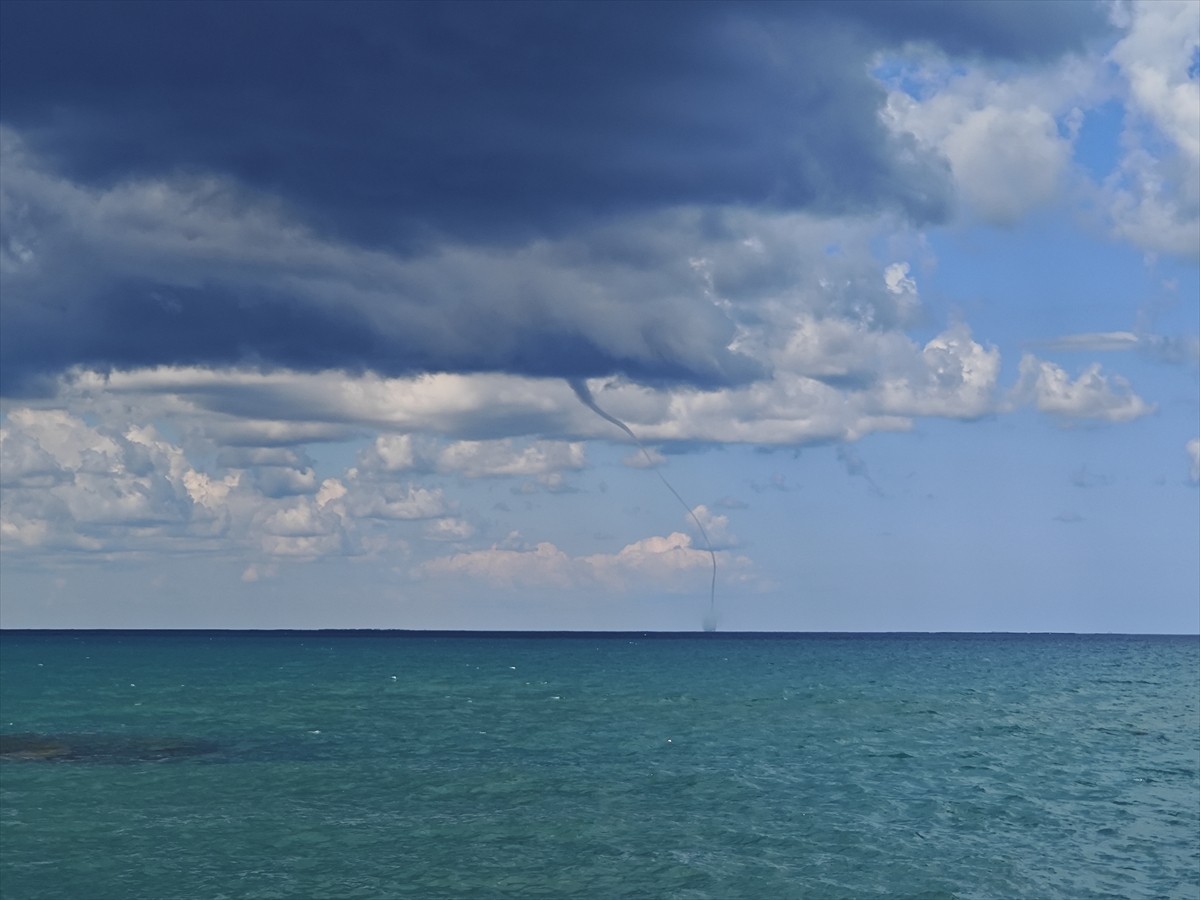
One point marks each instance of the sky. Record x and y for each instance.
(902, 299)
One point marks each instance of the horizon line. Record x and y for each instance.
(552, 632)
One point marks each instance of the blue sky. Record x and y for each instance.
(902, 298)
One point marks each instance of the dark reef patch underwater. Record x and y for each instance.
(103, 748)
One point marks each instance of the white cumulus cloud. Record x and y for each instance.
(1008, 137)
(671, 563)
(1092, 395)
(1154, 195)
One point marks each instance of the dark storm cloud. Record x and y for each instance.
(1029, 30)
(404, 126)
(146, 324)
(491, 119)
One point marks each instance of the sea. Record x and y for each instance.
(376, 764)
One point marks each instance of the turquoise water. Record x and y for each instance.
(312, 765)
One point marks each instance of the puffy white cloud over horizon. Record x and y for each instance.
(669, 563)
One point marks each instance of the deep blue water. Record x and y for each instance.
(312, 765)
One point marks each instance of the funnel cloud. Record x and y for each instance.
(585, 397)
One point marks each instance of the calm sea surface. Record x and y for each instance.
(314, 765)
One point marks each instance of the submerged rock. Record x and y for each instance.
(101, 748)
